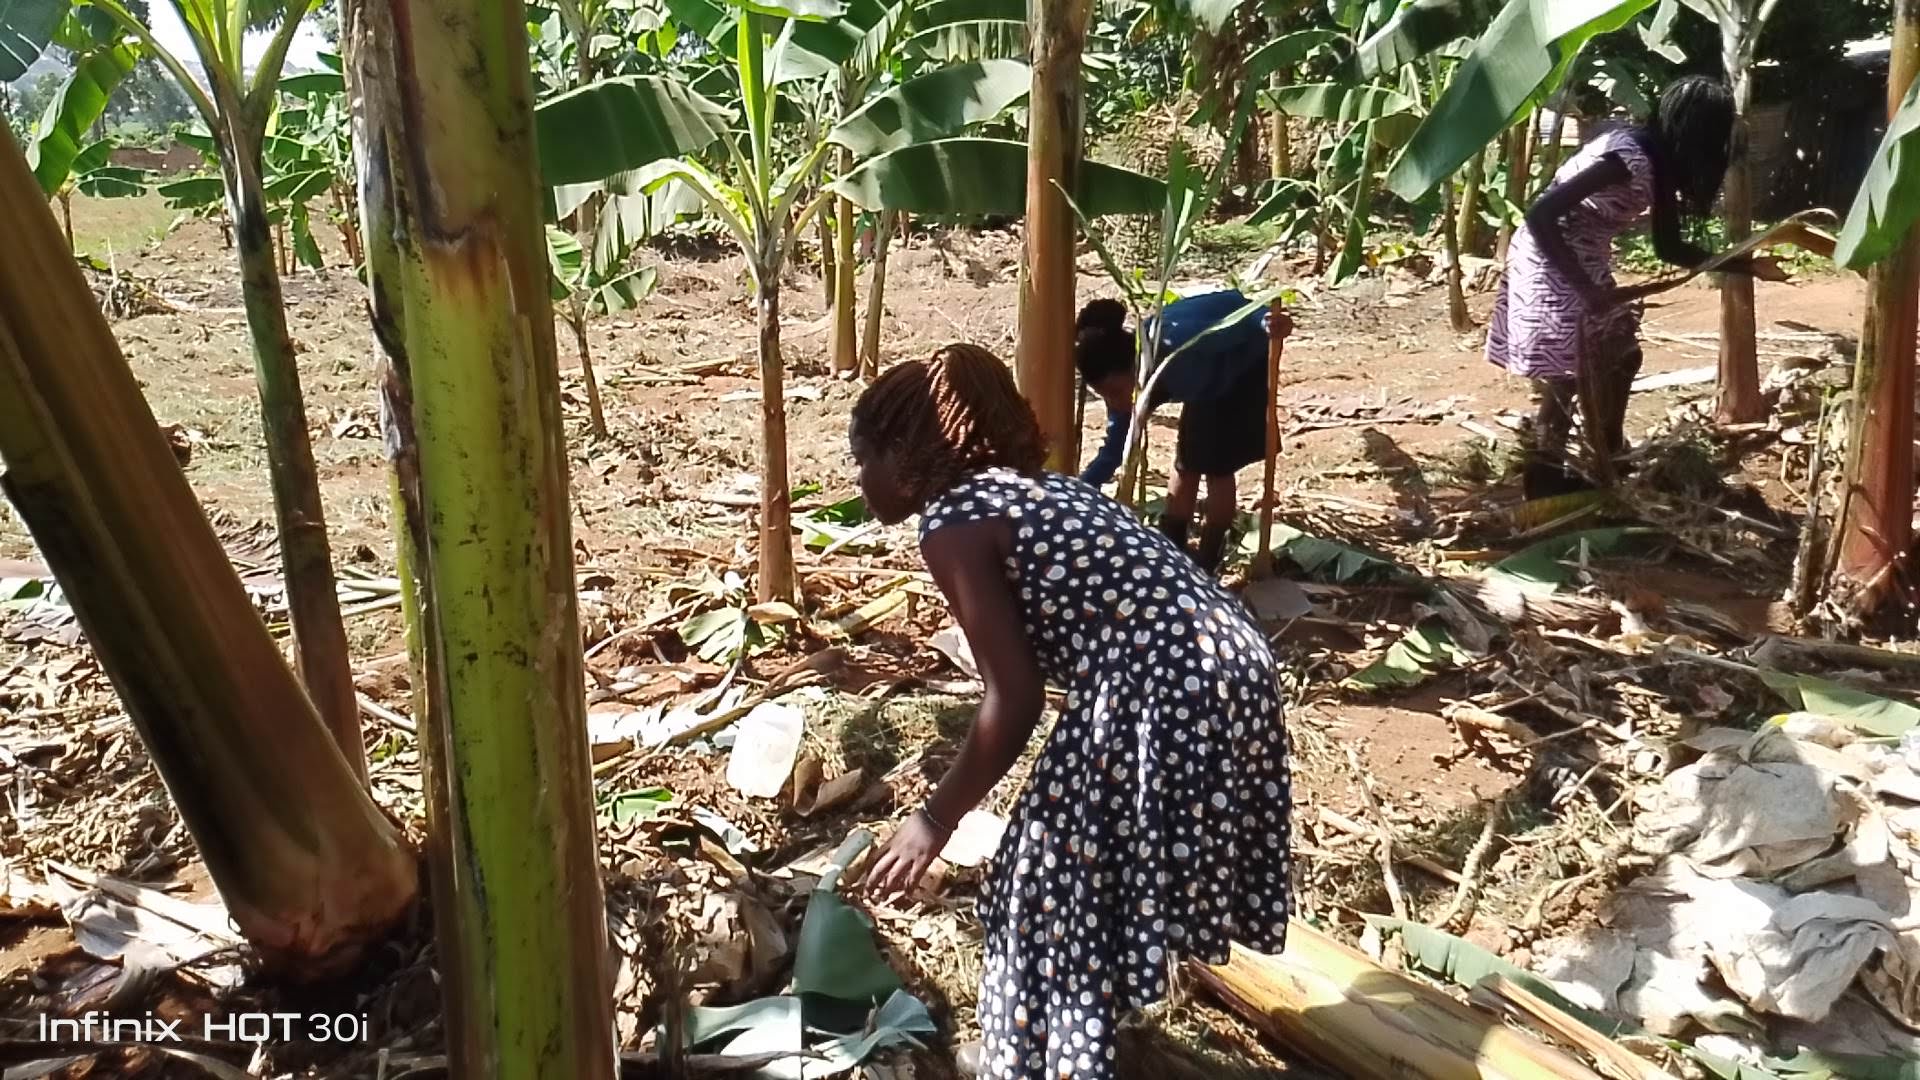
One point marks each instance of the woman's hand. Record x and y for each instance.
(909, 854)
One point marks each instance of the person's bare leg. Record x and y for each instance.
(1183, 492)
(1217, 520)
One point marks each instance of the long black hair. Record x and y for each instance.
(1102, 344)
(1691, 136)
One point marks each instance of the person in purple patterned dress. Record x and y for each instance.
(1558, 306)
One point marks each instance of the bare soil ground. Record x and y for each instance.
(1390, 409)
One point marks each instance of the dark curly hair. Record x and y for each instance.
(1691, 132)
(1102, 344)
(947, 417)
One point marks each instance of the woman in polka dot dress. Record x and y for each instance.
(1155, 825)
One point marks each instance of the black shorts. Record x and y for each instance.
(1221, 436)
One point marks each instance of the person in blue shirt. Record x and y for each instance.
(1220, 380)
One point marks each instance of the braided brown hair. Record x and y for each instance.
(948, 416)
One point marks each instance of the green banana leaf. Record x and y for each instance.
(315, 84)
(985, 176)
(1889, 200)
(1338, 101)
(1420, 28)
(1866, 713)
(622, 123)
(1542, 568)
(1523, 56)
(933, 106)
(797, 10)
(1281, 197)
(1334, 562)
(1412, 660)
(943, 14)
(193, 192)
(73, 110)
(26, 29)
(299, 187)
(112, 182)
(306, 250)
(838, 40)
(1287, 50)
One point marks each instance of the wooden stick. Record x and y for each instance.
(1332, 1003)
(1278, 326)
(1383, 833)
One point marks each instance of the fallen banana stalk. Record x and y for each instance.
(1332, 1003)
(1616, 1061)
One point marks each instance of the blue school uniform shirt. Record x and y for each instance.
(1206, 371)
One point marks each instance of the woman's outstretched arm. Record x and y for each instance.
(968, 563)
(1547, 221)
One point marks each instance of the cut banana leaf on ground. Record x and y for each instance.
(1449, 634)
(1412, 660)
(1866, 713)
(846, 1004)
(1549, 564)
(1330, 561)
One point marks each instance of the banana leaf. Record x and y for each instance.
(1524, 55)
(75, 107)
(1420, 28)
(1889, 200)
(26, 29)
(933, 106)
(622, 123)
(984, 176)
(1866, 713)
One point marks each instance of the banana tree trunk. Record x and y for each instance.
(777, 580)
(1044, 358)
(66, 215)
(577, 322)
(1279, 138)
(876, 295)
(1519, 166)
(1556, 136)
(311, 870)
(1740, 401)
(470, 387)
(829, 265)
(1457, 314)
(845, 331)
(1877, 531)
(319, 636)
(349, 231)
(1470, 204)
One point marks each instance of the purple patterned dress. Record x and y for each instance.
(1537, 315)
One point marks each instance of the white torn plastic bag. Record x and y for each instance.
(951, 643)
(1589, 967)
(975, 840)
(1782, 953)
(1757, 809)
(766, 742)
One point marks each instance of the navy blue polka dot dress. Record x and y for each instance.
(1155, 826)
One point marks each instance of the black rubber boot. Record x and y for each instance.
(1175, 529)
(1213, 543)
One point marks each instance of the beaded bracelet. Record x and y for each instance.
(926, 811)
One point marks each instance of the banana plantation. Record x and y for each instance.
(444, 630)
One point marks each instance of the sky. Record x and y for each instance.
(173, 35)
